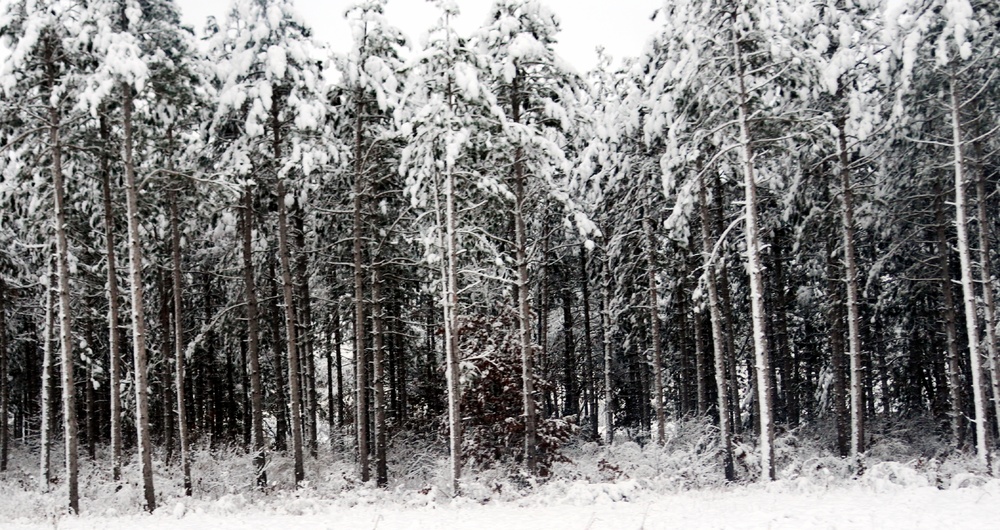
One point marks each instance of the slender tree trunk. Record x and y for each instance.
(654, 323)
(989, 297)
(175, 255)
(138, 318)
(62, 261)
(729, 328)
(305, 337)
(4, 383)
(609, 413)
(330, 399)
(361, 370)
(699, 366)
(836, 318)
(718, 343)
(166, 347)
(968, 286)
(759, 315)
(286, 278)
(114, 338)
(853, 299)
(253, 343)
(951, 329)
(48, 396)
(338, 339)
(378, 378)
(588, 346)
(571, 404)
(281, 420)
(524, 304)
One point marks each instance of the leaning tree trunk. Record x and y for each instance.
(654, 324)
(62, 265)
(114, 337)
(47, 397)
(175, 255)
(718, 342)
(853, 299)
(968, 287)
(138, 318)
(294, 383)
(759, 315)
(253, 340)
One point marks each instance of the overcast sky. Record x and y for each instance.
(621, 26)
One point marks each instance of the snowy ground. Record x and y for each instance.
(904, 484)
(751, 507)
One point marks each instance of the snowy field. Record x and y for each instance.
(906, 483)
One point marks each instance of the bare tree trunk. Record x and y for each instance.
(361, 369)
(654, 324)
(62, 260)
(524, 304)
(281, 419)
(138, 318)
(729, 328)
(286, 278)
(175, 253)
(378, 378)
(718, 344)
(48, 396)
(989, 297)
(836, 318)
(338, 339)
(759, 315)
(588, 346)
(968, 286)
(166, 347)
(305, 337)
(853, 300)
(253, 342)
(951, 329)
(329, 375)
(571, 405)
(114, 338)
(4, 383)
(609, 413)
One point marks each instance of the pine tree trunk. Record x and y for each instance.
(571, 402)
(329, 379)
(305, 336)
(989, 297)
(175, 255)
(338, 339)
(725, 297)
(4, 383)
(114, 338)
(759, 315)
(361, 370)
(48, 396)
(951, 329)
(378, 378)
(588, 347)
(138, 318)
(281, 419)
(718, 342)
(654, 326)
(286, 277)
(449, 284)
(853, 298)
(523, 300)
(253, 343)
(62, 261)
(836, 319)
(968, 286)
(166, 347)
(609, 413)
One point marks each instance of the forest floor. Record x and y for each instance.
(903, 483)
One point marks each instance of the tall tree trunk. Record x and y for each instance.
(954, 370)
(588, 347)
(836, 319)
(329, 378)
(759, 315)
(305, 337)
(725, 297)
(166, 347)
(609, 413)
(571, 404)
(654, 323)
(253, 343)
(4, 383)
(718, 343)
(361, 364)
(286, 277)
(114, 338)
(138, 318)
(338, 339)
(378, 378)
(62, 261)
(968, 286)
(175, 256)
(48, 395)
(853, 298)
(524, 304)
(989, 297)
(281, 420)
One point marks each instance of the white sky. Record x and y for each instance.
(621, 26)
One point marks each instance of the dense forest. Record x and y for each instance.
(781, 213)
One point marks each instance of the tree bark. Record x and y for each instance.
(836, 320)
(718, 342)
(175, 255)
(989, 297)
(951, 329)
(4, 383)
(48, 396)
(968, 286)
(306, 336)
(853, 298)
(253, 343)
(609, 413)
(654, 324)
(361, 365)
(759, 315)
(378, 378)
(588, 347)
(138, 318)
